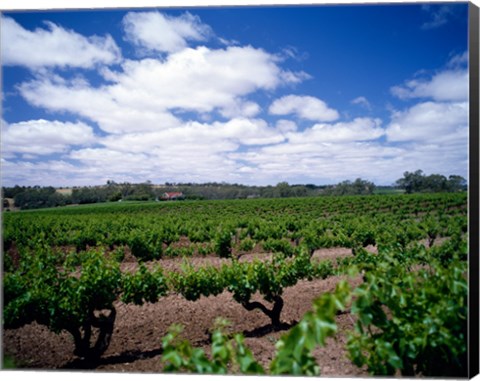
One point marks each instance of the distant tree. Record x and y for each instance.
(363, 186)
(343, 188)
(268, 192)
(456, 183)
(419, 182)
(284, 189)
(141, 192)
(88, 195)
(126, 189)
(11, 192)
(299, 190)
(435, 183)
(37, 197)
(348, 188)
(115, 196)
(411, 181)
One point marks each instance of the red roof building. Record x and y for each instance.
(172, 196)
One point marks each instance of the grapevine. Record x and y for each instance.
(62, 269)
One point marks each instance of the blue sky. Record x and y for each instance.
(252, 95)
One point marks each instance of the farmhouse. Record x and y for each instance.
(172, 196)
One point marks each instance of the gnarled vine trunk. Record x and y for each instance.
(104, 323)
(273, 313)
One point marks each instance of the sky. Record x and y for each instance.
(251, 95)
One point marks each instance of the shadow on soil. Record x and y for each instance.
(134, 355)
(269, 328)
(124, 357)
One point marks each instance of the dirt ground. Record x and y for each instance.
(136, 341)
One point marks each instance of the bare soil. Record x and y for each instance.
(136, 341)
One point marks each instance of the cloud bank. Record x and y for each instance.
(54, 47)
(182, 110)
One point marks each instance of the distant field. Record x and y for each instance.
(65, 191)
(388, 191)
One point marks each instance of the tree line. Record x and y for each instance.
(34, 197)
(414, 182)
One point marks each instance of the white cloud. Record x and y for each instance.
(434, 131)
(305, 107)
(143, 96)
(54, 47)
(458, 60)
(137, 107)
(322, 153)
(48, 173)
(449, 85)
(294, 77)
(112, 162)
(322, 162)
(334, 162)
(99, 105)
(360, 129)
(284, 126)
(291, 52)
(192, 114)
(162, 33)
(191, 152)
(42, 137)
(439, 15)
(249, 132)
(185, 161)
(76, 172)
(327, 138)
(240, 108)
(431, 136)
(195, 137)
(189, 138)
(430, 122)
(362, 101)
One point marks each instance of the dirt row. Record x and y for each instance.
(175, 264)
(136, 341)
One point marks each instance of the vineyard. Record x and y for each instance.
(351, 285)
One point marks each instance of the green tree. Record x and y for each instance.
(38, 197)
(411, 181)
(348, 188)
(456, 183)
(419, 182)
(435, 183)
(284, 189)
